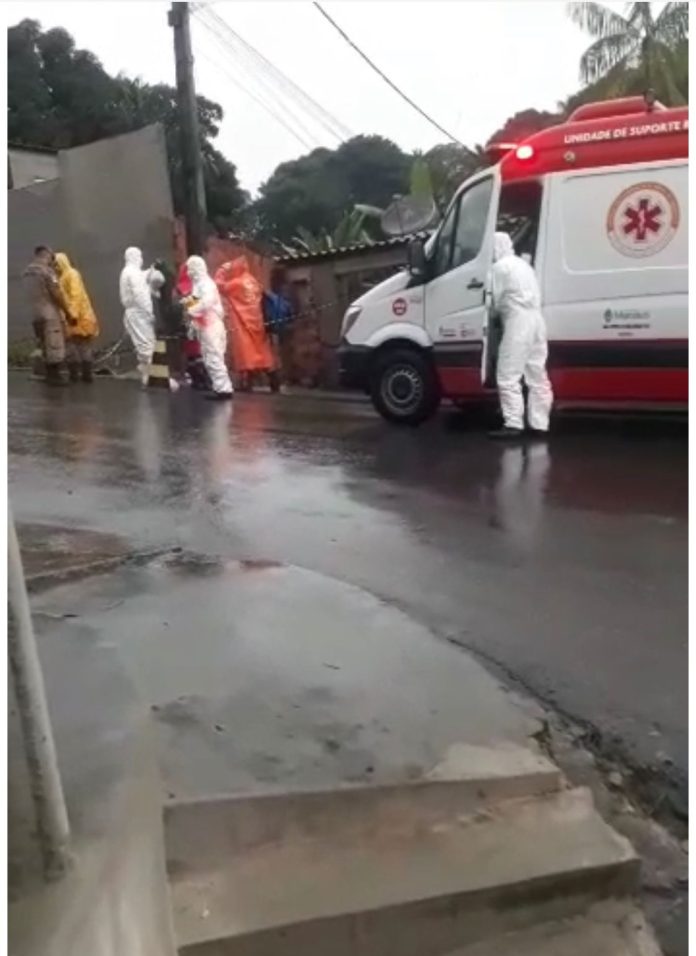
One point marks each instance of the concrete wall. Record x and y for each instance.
(321, 292)
(28, 167)
(109, 195)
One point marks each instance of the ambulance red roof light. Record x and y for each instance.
(495, 151)
(525, 151)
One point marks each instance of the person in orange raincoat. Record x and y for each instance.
(82, 327)
(243, 298)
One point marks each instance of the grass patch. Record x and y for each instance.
(19, 354)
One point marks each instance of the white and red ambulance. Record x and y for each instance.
(599, 205)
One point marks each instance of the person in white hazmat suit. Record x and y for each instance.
(207, 314)
(138, 314)
(523, 348)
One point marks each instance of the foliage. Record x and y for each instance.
(421, 181)
(450, 164)
(622, 82)
(317, 189)
(19, 354)
(60, 96)
(350, 231)
(524, 124)
(635, 50)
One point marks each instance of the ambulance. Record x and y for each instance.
(599, 206)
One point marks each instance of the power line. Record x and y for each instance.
(260, 94)
(266, 72)
(386, 79)
(258, 71)
(328, 119)
(259, 78)
(254, 96)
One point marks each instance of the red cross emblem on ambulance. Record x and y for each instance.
(643, 219)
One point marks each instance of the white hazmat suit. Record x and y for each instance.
(138, 315)
(208, 315)
(523, 349)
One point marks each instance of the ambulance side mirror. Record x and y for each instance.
(417, 262)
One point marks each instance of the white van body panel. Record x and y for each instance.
(399, 330)
(590, 289)
(389, 305)
(455, 301)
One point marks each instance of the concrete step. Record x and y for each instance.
(419, 881)
(615, 928)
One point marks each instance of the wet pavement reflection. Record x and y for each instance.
(563, 564)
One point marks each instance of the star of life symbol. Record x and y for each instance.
(643, 219)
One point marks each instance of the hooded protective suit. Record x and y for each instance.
(208, 317)
(243, 295)
(82, 326)
(139, 315)
(523, 349)
(82, 322)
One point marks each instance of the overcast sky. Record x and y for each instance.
(469, 64)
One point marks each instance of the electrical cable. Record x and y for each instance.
(386, 79)
(260, 79)
(306, 143)
(267, 73)
(323, 116)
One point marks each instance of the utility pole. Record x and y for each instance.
(191, 159)
(52, 826)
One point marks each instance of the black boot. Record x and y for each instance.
(506, 434)
(220, 396)
(87, 373)
(274, 381)
(74, 371)
(53, 376)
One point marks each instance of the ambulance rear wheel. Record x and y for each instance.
(404, 386)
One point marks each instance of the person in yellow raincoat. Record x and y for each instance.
(82, 327)
(243, 298)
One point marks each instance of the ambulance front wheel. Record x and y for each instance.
(404, 386)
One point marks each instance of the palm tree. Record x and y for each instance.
(636, 42)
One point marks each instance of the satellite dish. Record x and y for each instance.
(408, 214)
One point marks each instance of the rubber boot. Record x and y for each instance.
(74, 371)
(274, 381)
(506, 434)
(53, 376)
(87, 376)
(144, 373)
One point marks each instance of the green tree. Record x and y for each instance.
(524, 124)
(29, 107)
(421, 183)
(638, 48)
(317, 190)
(60, 96)
(449, 165)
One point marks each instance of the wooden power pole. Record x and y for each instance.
(191, 159)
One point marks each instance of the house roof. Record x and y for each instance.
(359, 248)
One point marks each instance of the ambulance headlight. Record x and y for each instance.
(349, 319)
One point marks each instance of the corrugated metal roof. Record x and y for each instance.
(395, 241)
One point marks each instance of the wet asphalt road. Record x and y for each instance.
(565, 567)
